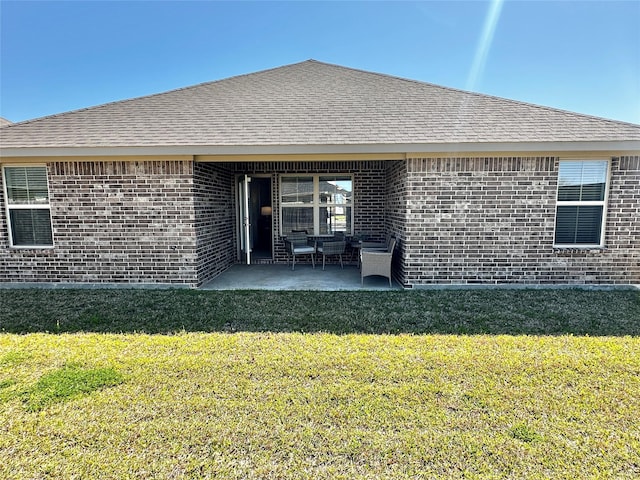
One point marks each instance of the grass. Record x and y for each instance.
(66, 383)
(514, 312)
(519, 384)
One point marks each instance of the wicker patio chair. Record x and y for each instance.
(377, 246)
(297, 243)
(332, 248)
(374, 262)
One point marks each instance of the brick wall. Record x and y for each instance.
(214, 219)
(396, 214)
(113, 222)
(458, 221)
(162, 222)
(491, 220)
(4, 229)
(369, 192)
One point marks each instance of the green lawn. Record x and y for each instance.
(117, 384)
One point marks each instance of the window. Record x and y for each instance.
(27, 199)
(317, 204)
(580, 211)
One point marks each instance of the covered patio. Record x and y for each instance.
(304, 277)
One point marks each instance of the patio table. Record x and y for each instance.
(355, 245)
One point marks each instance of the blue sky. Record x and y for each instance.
(582, 56)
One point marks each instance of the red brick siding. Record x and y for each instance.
(4, 225)
(214, 219)
(458, 221)
(113, 222)
(396, 214)
(491, 220)
(369, 182)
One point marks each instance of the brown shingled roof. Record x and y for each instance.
(312, 103)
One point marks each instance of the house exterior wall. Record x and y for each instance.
(113, 222)
(214, 218)
(457, 221)
(164, 222)
(492, 220)
(396, 214)
(369, 183)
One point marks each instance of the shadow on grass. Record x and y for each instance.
(514, 312)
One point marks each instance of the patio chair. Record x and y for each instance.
(339, 236)
(332, 248)
(297, 243)
(377, 246)
(374, 262)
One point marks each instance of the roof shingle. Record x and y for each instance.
(312, 103)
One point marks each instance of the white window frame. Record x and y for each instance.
(25, 206)
(603, 203)
(316, 203)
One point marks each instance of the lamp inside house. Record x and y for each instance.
(265, 211)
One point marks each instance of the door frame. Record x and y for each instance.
(244, 226)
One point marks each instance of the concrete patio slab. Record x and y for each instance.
(304, 277)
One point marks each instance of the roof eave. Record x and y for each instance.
(410, 149)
